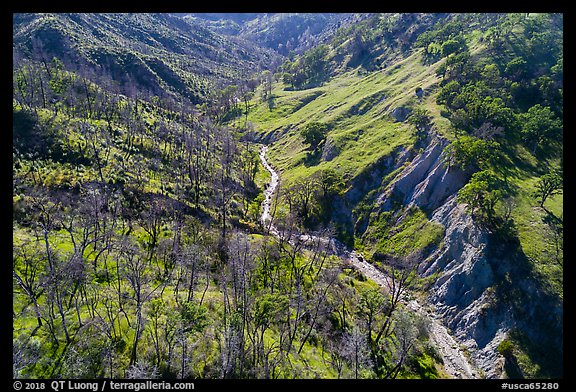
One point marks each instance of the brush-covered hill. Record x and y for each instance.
(426, 123)
(159, 53)
(286, 33)
(430, 143)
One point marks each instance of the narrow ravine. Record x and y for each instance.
(456, 364)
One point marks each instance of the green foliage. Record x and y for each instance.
(473, 106)
(124, 199)
(506, 348)
(193, 316)
(310, 70)
(441, 31)
(163, 54)
(331, 183)
(269, 309)
(549, 184)
(420, 118)
(469, 152)
(448, 93)
(314, 133)
(516, 69)
(422, 121)
(445, 38)
(540, 126)
(452, 46)
(481, 194)
(425, 366)
(414, 232)
(512, 85)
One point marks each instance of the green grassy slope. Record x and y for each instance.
(356, 105)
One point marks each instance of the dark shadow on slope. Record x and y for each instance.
(271, 102)
(313, 157)
(538, 312)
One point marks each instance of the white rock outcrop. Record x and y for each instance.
(462, 293)
(426, 182)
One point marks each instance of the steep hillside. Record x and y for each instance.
(287, 196)
(159, 53)
(138, 250)
(405, 157)
(286, 33)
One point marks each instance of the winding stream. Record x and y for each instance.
(455, 362)
(266, 218)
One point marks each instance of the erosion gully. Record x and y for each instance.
(456, 364)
